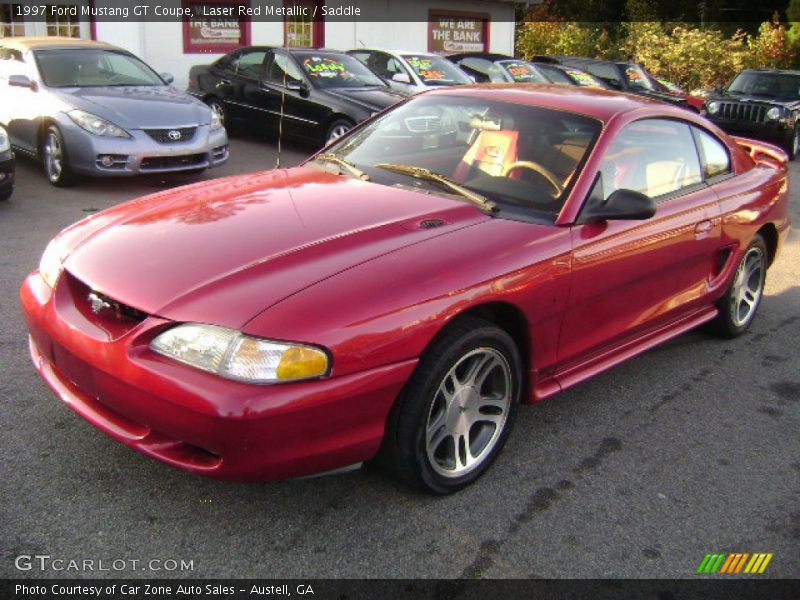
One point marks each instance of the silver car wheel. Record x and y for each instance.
(748, 285)
(53, 156)
(336, 132)
(468, 413)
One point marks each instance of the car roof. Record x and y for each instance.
(492, 56)
(593, 102)
(778, 71)
(396, 52)
(36, 43)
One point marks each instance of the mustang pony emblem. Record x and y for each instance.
(97, 303)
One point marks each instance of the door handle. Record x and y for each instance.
(703, 229)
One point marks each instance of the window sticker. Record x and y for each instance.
(325, 67)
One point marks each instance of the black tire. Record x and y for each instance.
(739, 304)
(6, 195)
(55, 158)
(792, 145)
(423, 414)
(336, 129)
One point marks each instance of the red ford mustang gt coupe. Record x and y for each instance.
(400, 293)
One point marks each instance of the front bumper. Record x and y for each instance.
(193, 420)
(775, 132)
(6, 173)
(114, 157)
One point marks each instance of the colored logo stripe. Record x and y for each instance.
(733, 563)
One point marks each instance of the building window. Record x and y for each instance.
(306, 27)
(11, 20)
(450, 32)
(64, 23)
(215, 28)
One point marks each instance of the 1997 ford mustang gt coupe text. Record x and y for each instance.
(400, 293)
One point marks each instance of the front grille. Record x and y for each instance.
(109, 315)
(423, 124)
(174, 135)
(742, 111)
(166, 162)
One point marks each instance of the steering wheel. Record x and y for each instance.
(548, 175)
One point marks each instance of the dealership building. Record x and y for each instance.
(173, 36)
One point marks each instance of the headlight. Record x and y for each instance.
(5, 144)
(234, 355)
(712, 108)
(774, 113)
(50, 265)
(96, 125)
(216, 122)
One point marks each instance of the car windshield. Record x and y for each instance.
(775, 85)
(435, 70)
(337, 71)
(637, 78)
(521, 158)
(582, 77)
(522, 72)
(93, 67)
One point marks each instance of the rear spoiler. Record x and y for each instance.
(760, 151)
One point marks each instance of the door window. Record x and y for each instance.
(283, 69)
(651, 156)
(715, 157)
(249, 64)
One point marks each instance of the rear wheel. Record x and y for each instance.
(737, 308)
(55, 159)
(217, 107)
(457, 410)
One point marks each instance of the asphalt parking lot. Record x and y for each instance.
(689, 449)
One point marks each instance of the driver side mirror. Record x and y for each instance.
(22, 81)
(168, 78)
(621, 205)
(297, 86)
(401, 78)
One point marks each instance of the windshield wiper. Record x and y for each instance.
(422, 173)
(348, 166)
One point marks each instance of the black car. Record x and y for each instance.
(760, 103)
(570, 75)
(6, 166)
(318, 94)
(619, 75)
(485, 67)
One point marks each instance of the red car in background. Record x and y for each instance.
(399, 294)
(694, 102)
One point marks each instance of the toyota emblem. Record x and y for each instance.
(174, 135)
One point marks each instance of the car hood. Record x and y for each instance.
(138, 107)
(370, 98)
(221, 252)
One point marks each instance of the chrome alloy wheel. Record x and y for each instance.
(53, 156)
(336, 132)
(468, 413)
(748, 286)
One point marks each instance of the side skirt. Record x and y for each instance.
(603, 360)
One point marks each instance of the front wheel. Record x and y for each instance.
(792, 145)
(337, 129)
(457, 410)
(737, 308)
(54, 158)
